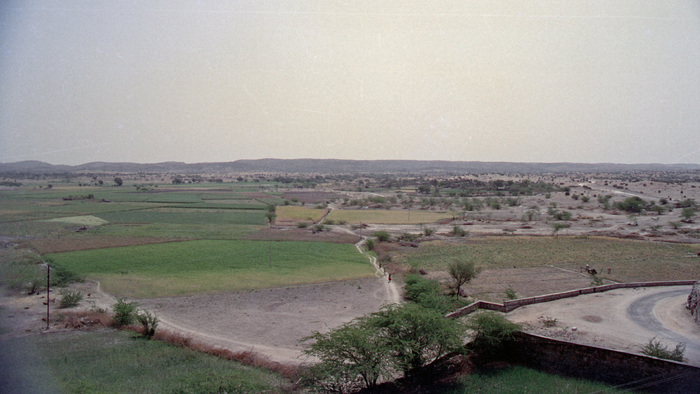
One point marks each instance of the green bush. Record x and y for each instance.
(369, 244)
(490, 332)
(61, 276)
(655, 349)
(148, 322)
(382, 236)
(510, 293)
(124, 312)
(70, 298)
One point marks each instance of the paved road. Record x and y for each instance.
(644, 312)
(623, 319)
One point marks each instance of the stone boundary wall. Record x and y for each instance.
(627, 371)
(510, 305)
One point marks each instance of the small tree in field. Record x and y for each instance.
(688, 214)
(118, 181)
(462, 272)
(352, 356)
(556, 227)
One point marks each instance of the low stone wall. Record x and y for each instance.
(625, 370)
(510, 305)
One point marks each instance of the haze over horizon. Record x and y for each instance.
(210, 81)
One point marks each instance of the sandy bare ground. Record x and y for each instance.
(622, 319)
(271, 322)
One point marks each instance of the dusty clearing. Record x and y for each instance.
(271, 321)
(610, 320)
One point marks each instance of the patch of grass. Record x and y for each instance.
(113, 361)
(179, 268)
(379, 216)
(187, 216)
(524, 380)
(86, 220)
(628, 260)
(179, 230)
(289, 213)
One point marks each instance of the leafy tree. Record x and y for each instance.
(556, 227)
(416, 336)
(118, 181)
(352, 352)
(397, 338)
(688, 214)
(631, 204)
(461, 272)
(490, 332)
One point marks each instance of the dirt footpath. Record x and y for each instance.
(622, 319)
(270, 322)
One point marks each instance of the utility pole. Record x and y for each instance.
(48, 295)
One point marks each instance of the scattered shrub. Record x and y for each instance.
(124, 312)
(458, 231)
(70, 298)
(62, 277)
(548, 321)
(655, 349)
(382, 236)
(510, 294)
(148, 322)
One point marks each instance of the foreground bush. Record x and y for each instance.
(656, 349)
(124, 312)
(148, 322)
(490, 332)
(396, 339)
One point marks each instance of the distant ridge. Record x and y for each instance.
(328, 166)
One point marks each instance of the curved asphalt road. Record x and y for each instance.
(641, 312)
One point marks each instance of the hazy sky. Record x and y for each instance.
(199, 81)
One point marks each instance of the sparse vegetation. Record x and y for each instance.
(461, 272)
(124, 312)
(656, 349)
(70, 298)
(149, 323)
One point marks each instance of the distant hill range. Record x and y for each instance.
(332, 166)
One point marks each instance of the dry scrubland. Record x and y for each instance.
(150, 239)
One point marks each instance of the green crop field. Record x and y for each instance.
(187, 216)
(379, 216)
(629, 260)
(180, 268)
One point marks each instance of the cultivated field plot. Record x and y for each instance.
(378, 216)
(291, 215)
(193, 267)
(628, 260)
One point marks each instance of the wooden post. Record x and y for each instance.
(48, 295)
